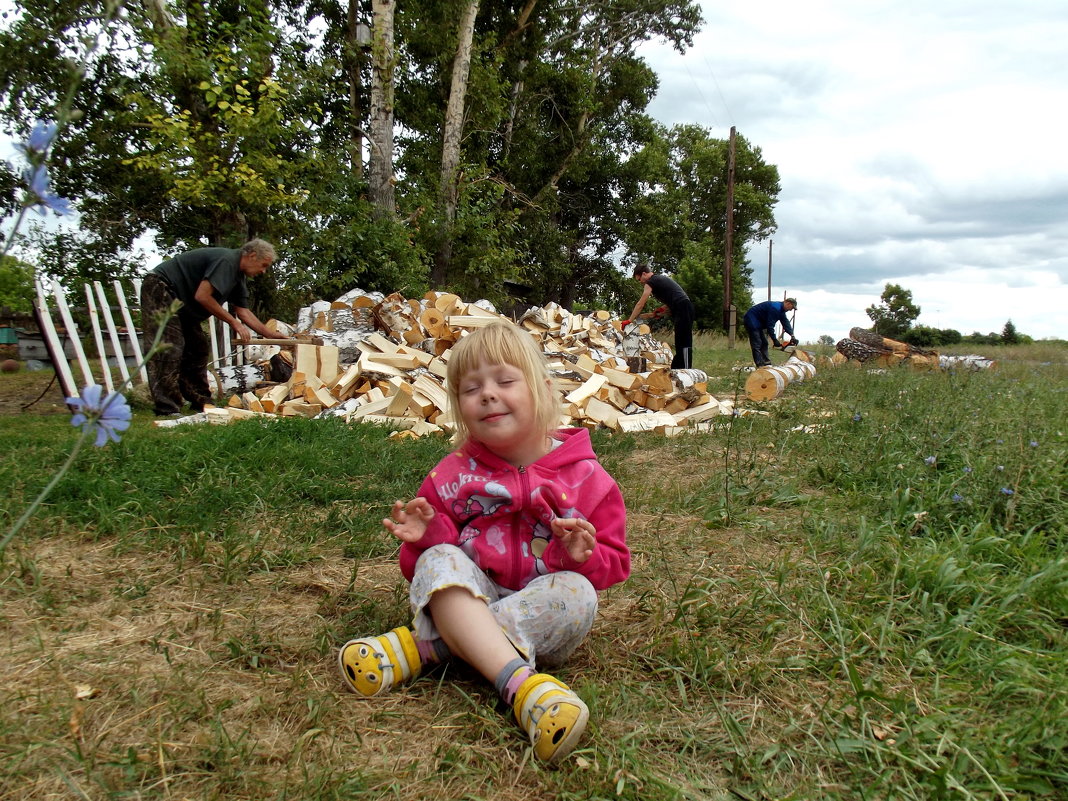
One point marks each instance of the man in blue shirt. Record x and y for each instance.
(761, 318)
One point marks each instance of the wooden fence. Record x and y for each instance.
(114, 336)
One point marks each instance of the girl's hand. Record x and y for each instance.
(578, 536)
(408, 521)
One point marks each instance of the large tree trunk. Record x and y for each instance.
(513, 113)
(517, 87)
(878, 341)
(450, 150)
(380, 172)
(353, 50)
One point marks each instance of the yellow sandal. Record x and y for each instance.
(372, 665)
(552, 715)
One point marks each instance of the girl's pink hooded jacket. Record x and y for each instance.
(500, 515)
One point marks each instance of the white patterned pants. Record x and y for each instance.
(545, 621)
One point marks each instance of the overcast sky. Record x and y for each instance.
(923, 144)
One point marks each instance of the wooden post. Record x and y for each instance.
(113, 334)
(213, 336)
(72, 332)
(227, 354)
(729, 236)
(771, 243)
(53, 344)
(94, 319)
(131, 330)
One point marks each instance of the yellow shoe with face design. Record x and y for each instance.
(552, 715)
(370, 666)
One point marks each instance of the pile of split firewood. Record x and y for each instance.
(369, 358)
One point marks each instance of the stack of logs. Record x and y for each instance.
(767, 383)
(871, 349)
(384, 360)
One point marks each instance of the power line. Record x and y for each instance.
(719, 91)
(693, 80)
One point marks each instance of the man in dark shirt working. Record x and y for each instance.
(676, 303)
(202, 279)
(762, 317)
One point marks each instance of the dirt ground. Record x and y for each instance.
(31, 392)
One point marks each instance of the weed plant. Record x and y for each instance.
(861, 593)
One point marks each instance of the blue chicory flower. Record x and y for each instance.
(40, 140)
(929, 460)
(967, 470)
(108, 415)
(1034, 443)
(999, 467)
(37, 181)
(856, 417)
(1006, 491)
(956, 497)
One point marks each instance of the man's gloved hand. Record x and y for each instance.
(624, 323)
(660, 312)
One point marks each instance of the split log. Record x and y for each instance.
(601, 412)
(394, 314)
(695, 414)
(473, 320)
(587, 390)
(645, 422)
(273, 398)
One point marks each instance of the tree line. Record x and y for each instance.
(494, 149)
(894, 315)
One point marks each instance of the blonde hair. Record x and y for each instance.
(502, 343)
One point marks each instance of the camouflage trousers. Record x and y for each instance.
(179, 370)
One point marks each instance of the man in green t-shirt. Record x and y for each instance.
(203, 280)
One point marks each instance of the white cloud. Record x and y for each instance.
(918, 144)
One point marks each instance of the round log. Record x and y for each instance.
(768, 383)
(765, 384)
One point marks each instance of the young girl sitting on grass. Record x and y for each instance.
(505, 546)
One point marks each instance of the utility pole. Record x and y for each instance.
(771, 243)
(729, 244)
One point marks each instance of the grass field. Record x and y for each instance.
(861, 594)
